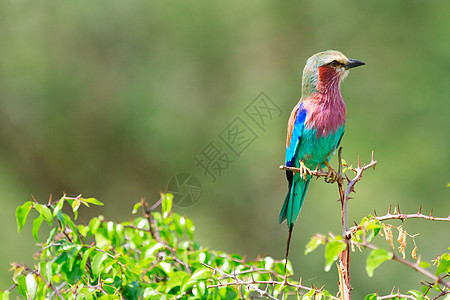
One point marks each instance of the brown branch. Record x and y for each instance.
(148, 215)
(403, 217)
(37, 272)
(317, 172)
(359, 172)
(396, 295)
(251, 283)
(344, 257)
(443, 293)
(344, 195)
(414, 266)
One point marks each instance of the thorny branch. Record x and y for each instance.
(397, 295)
(37, 272)
(412, 265)
(400, 216)
(252, 283)
(344, 193)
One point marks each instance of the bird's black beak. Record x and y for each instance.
(353, 63)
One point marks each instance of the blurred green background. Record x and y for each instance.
(111, 99)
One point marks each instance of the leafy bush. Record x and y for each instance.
(133, 260)
(156, 257)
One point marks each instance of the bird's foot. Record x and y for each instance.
(332, 175)
(304, 170)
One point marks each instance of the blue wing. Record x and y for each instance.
(296, 193)
(299, 124)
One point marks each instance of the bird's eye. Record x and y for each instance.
(334, 63)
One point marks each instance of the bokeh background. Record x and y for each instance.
(111, 99)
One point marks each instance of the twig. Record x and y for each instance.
(148, 215)
(415, 266)
(403, 217)
(396, 295)
(344, 257)
(11, 288)
(359, 172)
(443, 293)
(344, 195)
(251, 283)
(317, 172)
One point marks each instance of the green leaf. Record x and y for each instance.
(444, 264)
(73, 255)
(375, 259)
(136, 207)
(371, 297)
(58, 206)
(418, 295)
(21, 214)
(86, 256)
(45, 212)
(97, 261)
(176, 278)
(178, 224)
(4, 295)
(36, 224)
(75, 205)
(91, 201)
(332, 251)
(22, 285)
(31, 286)
(190, 228)
(166, 204)
(268, 262)
(86, 293)
(202, 273)
(314, 242)
(309, 295)
(424, 264)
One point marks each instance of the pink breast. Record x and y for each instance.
(326, 112)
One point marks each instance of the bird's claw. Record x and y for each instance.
(304, 170)
(332, 175)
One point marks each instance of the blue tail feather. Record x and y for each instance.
(294, 201)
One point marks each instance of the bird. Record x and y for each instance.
(315, 128)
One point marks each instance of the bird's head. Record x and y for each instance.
(325, 70)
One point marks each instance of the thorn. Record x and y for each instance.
(431, 212)
(393, 288)
(375, 213)
(50, 200)
(34, 199)
(398, 208)
(390, 206)
(346, 177)
(356, 224)
(359, 164)
(372, 155)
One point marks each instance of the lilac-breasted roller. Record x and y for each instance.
(315, 127)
